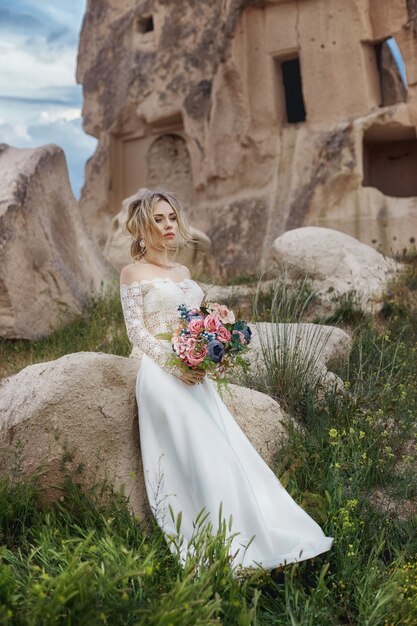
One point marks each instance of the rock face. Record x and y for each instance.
(117, 246)
(48, 263)
(83, 406)
(337, 264)
(262, 115)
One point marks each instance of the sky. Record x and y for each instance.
(398, 58)
(40, 101)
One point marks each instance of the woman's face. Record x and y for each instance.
(166, 221)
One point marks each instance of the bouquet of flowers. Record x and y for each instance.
(210, 338)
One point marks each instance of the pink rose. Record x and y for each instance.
(196, 357)
(196, 325)
(224, 314)
(211, 323)
(223, 334)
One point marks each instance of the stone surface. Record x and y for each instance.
(239, 298)
(315, 348)
(367, 188)
(338, 264)
(117, 248)
(83, 405)
(48, 262)
(395, 506)
(203, 111)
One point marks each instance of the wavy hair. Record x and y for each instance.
(140, 223)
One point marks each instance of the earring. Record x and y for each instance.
(142, 243)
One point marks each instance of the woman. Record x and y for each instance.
(195, 456)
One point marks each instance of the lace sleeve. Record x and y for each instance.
(132, 306)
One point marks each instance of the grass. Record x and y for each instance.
(291, 351)
(283, 301)
(87, 560)
(99, 328)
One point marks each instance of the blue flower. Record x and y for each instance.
(184, 313)
(247, 333)
(216, 350)
(192, 315)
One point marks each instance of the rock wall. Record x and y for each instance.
(262, 115)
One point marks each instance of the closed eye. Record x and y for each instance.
(172, 217)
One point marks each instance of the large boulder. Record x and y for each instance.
(339, 265)
(80, 411)
(48, 263)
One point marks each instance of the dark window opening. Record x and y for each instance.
(378, 57)
(390, 161)
(145, 24)
(294, 101)
(391, 72)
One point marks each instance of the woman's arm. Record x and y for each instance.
(131, 297)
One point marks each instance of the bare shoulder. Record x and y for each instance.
(130, 273)
(139, 271)
(185, 270)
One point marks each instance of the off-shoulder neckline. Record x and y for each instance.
(151, 280)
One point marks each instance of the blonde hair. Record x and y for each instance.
(140, 222)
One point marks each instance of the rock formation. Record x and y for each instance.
(262, 115)
(48, 263)
(338, 265)
(78, 416)
(117, 247)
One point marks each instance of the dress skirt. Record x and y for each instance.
(195, 456)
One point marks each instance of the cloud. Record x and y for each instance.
(39, 33)
(22, 23)
(23, 74)
(39, 100)
(63, 96)
(63, 128)
(66, 115)
(68, 12)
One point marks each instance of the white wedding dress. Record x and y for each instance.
(195, 456)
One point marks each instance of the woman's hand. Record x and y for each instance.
(193, 376)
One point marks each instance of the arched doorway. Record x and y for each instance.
(169, 165)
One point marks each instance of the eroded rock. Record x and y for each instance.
(48, 263)
(191, 96)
